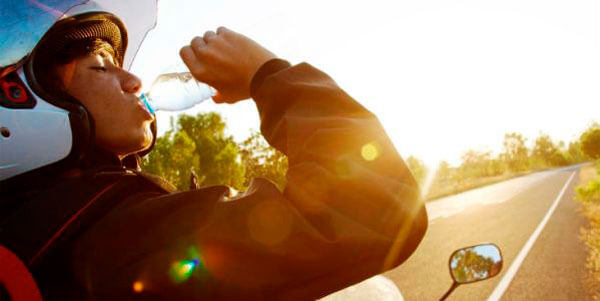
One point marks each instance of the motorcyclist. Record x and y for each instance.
(89, 224)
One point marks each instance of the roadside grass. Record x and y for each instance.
(588, 194)
(441, 190)
(450, 187)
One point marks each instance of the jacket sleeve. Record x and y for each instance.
(345, 183)
(350, 209)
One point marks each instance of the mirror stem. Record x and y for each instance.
(454, 286)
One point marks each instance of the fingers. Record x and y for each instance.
(202, 45)
(209, 36)
(223, 30)
(198, 43)
(197, 67)
(201, 48)
(225, 60)
(218, 98)
(191, 61)
(197, 53)
(187, 55)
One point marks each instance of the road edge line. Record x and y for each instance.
(514, 267)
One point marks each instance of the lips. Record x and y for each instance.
(148, 115)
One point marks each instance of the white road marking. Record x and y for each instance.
(514, 267)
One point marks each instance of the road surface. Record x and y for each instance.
(533, 219)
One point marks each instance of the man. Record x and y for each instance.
(100, 230)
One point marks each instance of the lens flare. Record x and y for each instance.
(187, 268)
(369, 152)
(183, 270)
(138, 287)
(192, 252)
(428, 181)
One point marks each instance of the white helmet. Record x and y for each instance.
(38, 128)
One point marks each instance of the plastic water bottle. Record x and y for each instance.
(176, 91)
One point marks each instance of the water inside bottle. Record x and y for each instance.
(176, 91)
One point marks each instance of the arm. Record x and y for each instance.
(350, 210)
(352, 204)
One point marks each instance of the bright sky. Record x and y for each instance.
(443, 76)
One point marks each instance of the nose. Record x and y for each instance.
(131, 83)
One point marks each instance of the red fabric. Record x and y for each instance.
(68, 223)
(16, 278)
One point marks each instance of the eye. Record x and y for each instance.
(99, 68)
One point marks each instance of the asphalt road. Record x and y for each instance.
(507, 214)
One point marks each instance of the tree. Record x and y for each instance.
(262, 160)
(547, 152)
(515, 152)
(496, 167)
(197, 143)
(476, 164)
(443, 172)
(590, 142)
(468, 266)
(417, 168)
(574, 152)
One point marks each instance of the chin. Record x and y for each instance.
(133, 144)
(141, 145)
(148, 138)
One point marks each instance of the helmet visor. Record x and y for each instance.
(24, 22)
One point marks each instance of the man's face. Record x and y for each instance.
(110, 95)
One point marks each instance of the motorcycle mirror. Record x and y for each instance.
(475, 263)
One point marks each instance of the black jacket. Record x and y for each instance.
(350, 210)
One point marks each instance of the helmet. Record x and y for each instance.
(43, 129)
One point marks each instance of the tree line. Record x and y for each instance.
(516, 158)
(198, 145)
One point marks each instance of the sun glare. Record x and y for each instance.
(369, 152)
(138, 287)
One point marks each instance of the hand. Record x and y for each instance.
(227, 61)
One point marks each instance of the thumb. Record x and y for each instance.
(218, 98)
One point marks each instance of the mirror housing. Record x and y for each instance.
(475, 263)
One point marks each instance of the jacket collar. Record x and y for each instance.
(97, 157)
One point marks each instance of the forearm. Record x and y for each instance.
(349, 196)
(339, 155)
